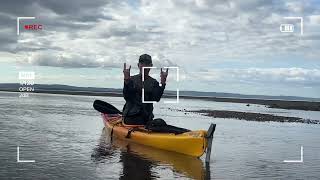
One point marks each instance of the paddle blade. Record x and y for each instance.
(105, 107)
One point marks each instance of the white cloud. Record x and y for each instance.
(187, 33)
(180, 31)
(67, 60)
(314, 19)
(289, 76)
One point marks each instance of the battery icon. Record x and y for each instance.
(286, 28)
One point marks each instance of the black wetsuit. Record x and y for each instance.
(134, 111)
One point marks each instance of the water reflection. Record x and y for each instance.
(142, 162)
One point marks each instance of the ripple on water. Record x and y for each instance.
(63, 135)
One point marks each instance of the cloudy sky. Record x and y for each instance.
(219, 45)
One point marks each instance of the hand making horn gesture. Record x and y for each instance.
(163, 75)
(126, 72)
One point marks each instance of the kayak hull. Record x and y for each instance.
(193, 143)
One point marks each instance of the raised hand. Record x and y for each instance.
(163, 75)
(126, 72)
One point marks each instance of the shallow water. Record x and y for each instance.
(65, 138)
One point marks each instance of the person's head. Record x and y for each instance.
(145, 60)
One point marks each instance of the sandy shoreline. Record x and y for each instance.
(249, 116)
(270, 103)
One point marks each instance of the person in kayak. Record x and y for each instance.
(135, 112)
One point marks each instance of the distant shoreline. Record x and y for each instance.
(250, 116)
(270, 103)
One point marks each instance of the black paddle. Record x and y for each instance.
(156, 125)
(105, 107)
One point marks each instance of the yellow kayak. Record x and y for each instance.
(190, 166)
(193, 143)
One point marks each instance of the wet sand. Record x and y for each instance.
(270, 103)
(281, 104)
(249, 116)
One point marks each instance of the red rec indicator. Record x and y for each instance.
(33, 27)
